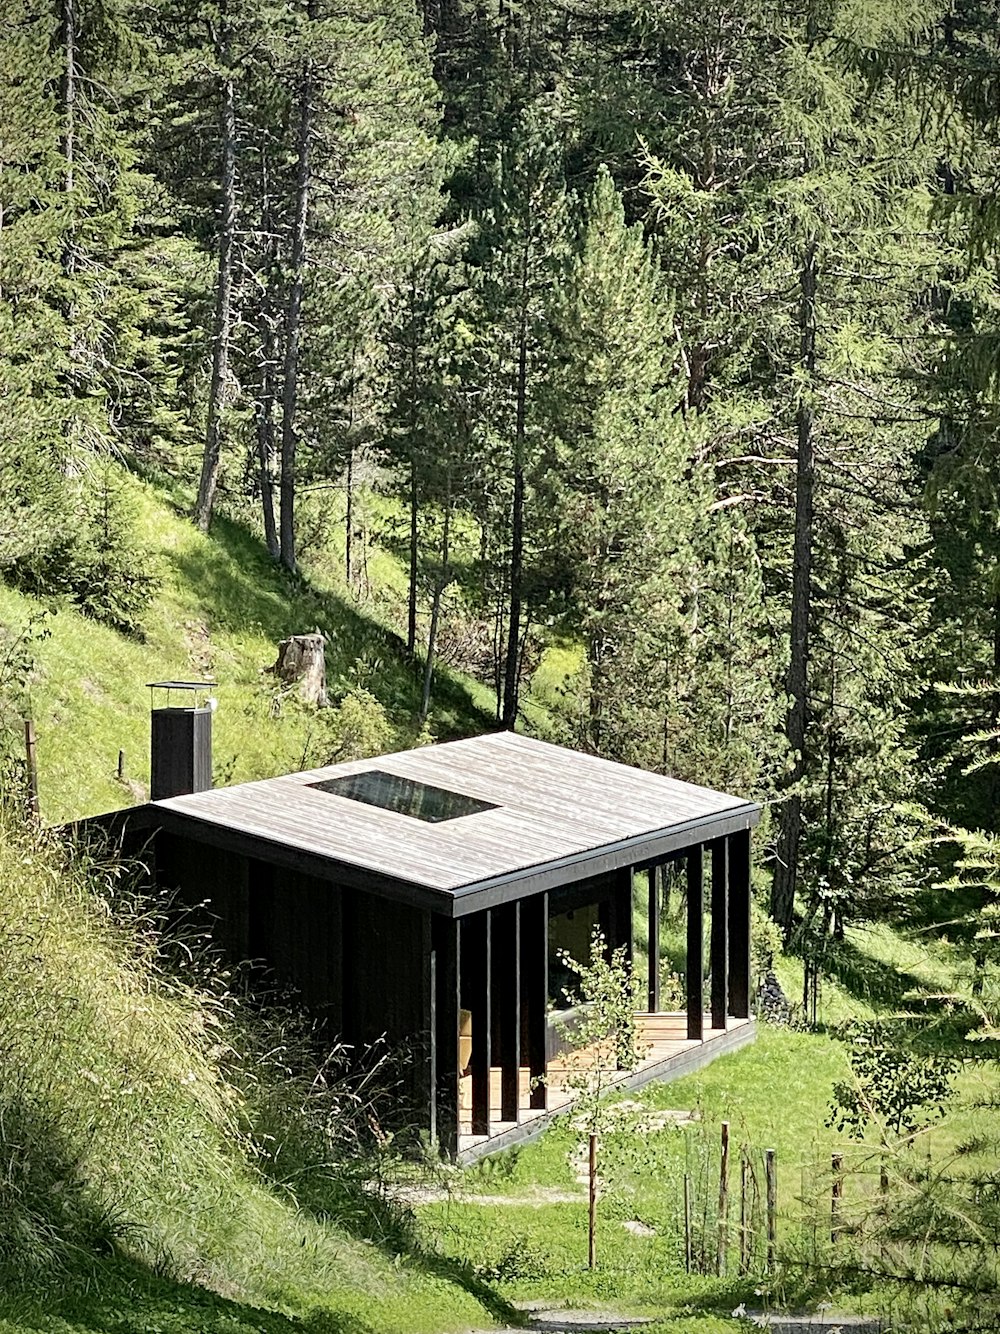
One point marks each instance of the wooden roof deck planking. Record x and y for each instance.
(558, 816)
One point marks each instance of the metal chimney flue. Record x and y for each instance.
(180, 739)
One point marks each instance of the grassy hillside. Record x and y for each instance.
(159, 1172)
(221, 607)
(139, 1188)
(134, 1192)
(521, 1218)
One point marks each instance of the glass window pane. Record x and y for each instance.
(403, 795)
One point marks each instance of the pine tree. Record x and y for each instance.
(524, 239)
(84, 363)
(375, 185)
(778, 211)
(614, 481)
(32, 324)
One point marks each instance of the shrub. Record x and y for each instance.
(95, 560)
(17, 665)
(892, 1087)
(357, 727)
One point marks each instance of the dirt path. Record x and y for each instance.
(557, 1321)
(536, 1197)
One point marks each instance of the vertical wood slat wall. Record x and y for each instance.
(500, 955)
(444, 1025)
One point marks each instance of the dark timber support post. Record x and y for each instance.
(622, 913)
(432, 1043)
(476, 992)
(445, 973)
(695, 947)
(535, 992)
(506, 1004)
(719, 948)
(739, 924)
(654, 940)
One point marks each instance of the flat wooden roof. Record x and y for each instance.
(557, 816)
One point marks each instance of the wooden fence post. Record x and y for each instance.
(744, 1211)
(771, 1171)
(836, 1195)
(722, 1238)
(687, 1222)
(31, 762)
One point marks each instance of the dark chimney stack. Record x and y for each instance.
(181, 740)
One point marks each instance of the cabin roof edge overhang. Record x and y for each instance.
(549, 817)
(657, 846)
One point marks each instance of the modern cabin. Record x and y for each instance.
(424, 897)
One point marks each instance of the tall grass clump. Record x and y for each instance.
(153, 1129)
(117, 1127)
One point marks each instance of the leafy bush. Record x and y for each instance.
(17, 664)
(891, 1086)
(356, 728)
(766, 943)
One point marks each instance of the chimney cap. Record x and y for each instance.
(180, 685)
(189, 687)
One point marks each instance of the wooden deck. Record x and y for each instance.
(670, 1054)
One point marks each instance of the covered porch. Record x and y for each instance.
(495, 998)
(670, 1053)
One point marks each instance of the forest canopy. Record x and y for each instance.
(664, 333)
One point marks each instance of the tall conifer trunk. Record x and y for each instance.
(444, 579)
(222, 323)
(411, 597)
(783, 885)
(267, 353)
(265, 425)
(512, 662)
(349, 517)
(293, 315)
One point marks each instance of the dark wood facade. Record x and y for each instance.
(399, 957)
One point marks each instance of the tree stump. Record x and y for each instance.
(302, 659)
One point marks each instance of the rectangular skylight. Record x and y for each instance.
(404, 796)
